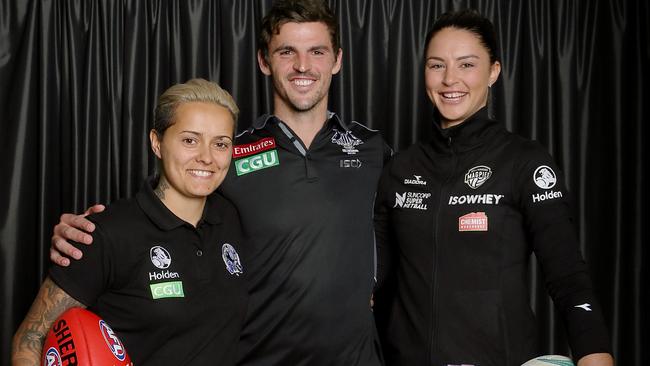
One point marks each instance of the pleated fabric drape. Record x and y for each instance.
(79, 80)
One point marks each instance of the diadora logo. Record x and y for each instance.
(544, 177)
(231, 259)
(160, 257)
(470, 199)
(586, 306)
(478, 175)
(417, 181)
(256, 162)
(350, 163)
(264, 144)
(347, 140)
(113, 343)
(52, 357)
(412, 200)
(164, 290)
(473, 221)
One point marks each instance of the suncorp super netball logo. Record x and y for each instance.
(113, 343)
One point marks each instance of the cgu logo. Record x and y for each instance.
(167, 289)
(257, 162)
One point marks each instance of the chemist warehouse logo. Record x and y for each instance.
(412, 200)
(255, 156)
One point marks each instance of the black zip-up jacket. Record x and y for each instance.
(456, 221)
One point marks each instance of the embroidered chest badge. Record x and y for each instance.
(478, 175)
(160, 257)
(473, 221)
(347, 140)
(231, 260)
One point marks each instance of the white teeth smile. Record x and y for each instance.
(303, 82)
(454, 95)
(200, 173)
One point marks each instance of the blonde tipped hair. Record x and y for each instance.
(194, 90)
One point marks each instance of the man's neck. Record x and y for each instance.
(306, 124)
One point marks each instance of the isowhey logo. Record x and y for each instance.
(164, 290)
(544, 177)
(113, 343)
(473, 221)
(231, 260)
(160, 257)
(264, 144)
(470, 199)
(417, 181)
(412, 200)
(257, 162)
(478, 175)
(347, 140)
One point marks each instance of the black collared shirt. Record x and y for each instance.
(307, 215)
(173, 293)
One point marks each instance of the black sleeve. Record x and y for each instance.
(88, 278)
(544, 201)
(383, 234)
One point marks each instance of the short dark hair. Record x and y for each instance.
(470, 20)
(297, 11)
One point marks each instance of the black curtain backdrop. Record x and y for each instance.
(79, 80)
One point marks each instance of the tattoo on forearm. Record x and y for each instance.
(51, 302)
(162, 186)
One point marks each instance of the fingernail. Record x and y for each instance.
(76, 255)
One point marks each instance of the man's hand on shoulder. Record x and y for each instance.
(75, 228)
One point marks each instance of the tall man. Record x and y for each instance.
(303, 181)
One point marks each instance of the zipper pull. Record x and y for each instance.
(449, 141)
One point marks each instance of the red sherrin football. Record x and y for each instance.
(80, 337)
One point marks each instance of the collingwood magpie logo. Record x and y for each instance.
(478, 175)
(417, 181)
(160, 257)
(231, 259)
(347, 140)
(544, 177)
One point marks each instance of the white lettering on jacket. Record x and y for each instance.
(470, 199)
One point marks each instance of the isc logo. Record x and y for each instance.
(350, 163)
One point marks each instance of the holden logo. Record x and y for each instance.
(478, 175)
(544, 177)
(160, 257)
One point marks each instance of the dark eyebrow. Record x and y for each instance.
(285, 47)
(457, 59)
(200, 134)
(192, 132)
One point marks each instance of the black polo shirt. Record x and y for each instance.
(174, 294)
(307, 216)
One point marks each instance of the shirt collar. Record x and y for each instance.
(161, 216)
(332, 119)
